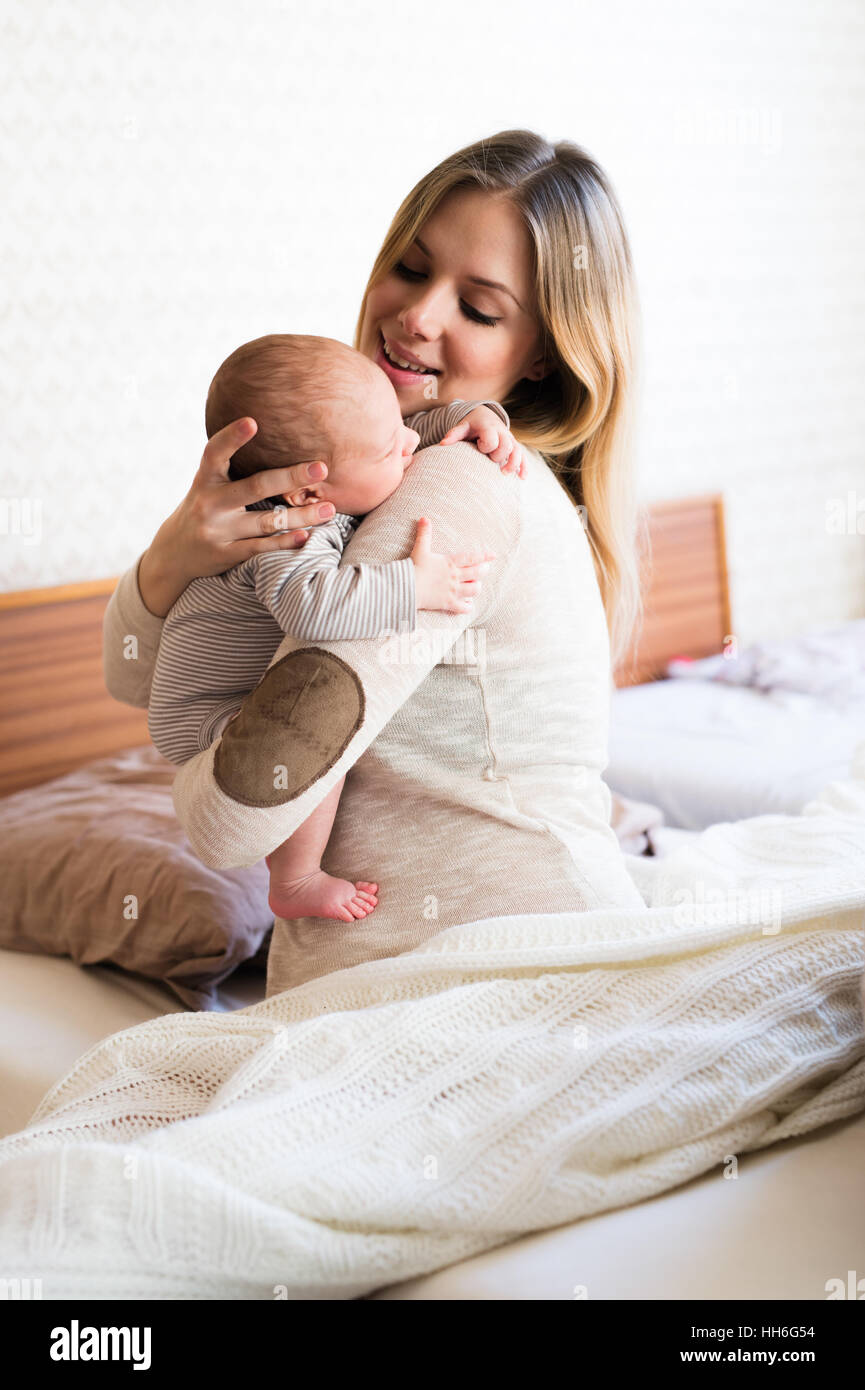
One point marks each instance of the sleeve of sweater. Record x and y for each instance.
(320, 705)
(130, 642)
(131, 633)
(432, 425)
(314, 596)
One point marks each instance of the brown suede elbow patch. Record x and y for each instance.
(292, 728)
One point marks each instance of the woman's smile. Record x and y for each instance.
(393, 361)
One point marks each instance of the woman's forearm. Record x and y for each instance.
(162, 574)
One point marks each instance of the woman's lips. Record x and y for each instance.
(400, 376)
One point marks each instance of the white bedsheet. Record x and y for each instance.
(52, 1011)
(786, 1225)
(706, 752)
(710, 1238)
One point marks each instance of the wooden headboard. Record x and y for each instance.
(685, 588)
(56, 714)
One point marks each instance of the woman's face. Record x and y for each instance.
(474, 340)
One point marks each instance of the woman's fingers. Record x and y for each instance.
(274, 521)
(282, 517)
(286, 540)
(220, 447)
(276, 482)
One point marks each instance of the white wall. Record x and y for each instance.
(180, 177)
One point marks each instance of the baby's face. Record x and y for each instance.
(370, 465)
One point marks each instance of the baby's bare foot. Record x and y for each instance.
(321, 895)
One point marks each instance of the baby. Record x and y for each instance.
(312, 398)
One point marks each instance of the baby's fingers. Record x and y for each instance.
(473, 557)
(471, 573)
(456, 433)
(488, 440)
(503, 450)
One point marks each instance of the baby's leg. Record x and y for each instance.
(299, 887)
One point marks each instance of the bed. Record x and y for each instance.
(695, 1241)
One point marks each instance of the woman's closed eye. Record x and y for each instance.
(474, 314)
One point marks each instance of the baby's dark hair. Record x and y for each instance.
(293, 385)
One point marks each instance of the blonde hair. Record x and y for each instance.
(580, 417)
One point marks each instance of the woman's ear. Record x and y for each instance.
(538, 369)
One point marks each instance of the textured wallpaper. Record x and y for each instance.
(179, 178)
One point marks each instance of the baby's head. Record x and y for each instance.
(314, 398)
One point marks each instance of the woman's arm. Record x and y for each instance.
(210, 532)
(130, 642)
(320, 705)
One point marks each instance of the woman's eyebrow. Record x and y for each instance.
(477, 279)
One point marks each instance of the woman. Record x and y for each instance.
(474, 748)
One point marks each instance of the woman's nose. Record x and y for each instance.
(420, 319)
(415, 323)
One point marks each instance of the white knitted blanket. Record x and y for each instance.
(510, 1075)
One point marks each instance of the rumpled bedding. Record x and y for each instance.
(635, 823)
(510, 1075)
(829, 662)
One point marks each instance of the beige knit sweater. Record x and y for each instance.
(474, 748)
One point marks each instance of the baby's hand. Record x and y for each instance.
(448, 583)
(483, 427)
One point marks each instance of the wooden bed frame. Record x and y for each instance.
(55, 713)
(685, 586)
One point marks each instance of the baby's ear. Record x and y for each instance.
(300, 496)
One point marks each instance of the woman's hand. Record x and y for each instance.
(211, 531)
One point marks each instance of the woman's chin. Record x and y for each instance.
(412, 398)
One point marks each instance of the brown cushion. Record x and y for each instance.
(94, 865)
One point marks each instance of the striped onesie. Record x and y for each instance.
(222, 633)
